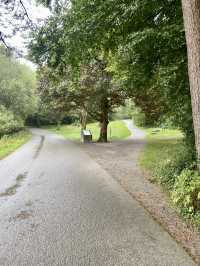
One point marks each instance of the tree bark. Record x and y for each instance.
(104, 131)
(83, 119)
(191, 15)
(104, 123)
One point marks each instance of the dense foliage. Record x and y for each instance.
(168, 170)
(17, 94)
(186, 192)
(8, 123)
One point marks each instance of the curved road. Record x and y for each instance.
(59, 207)
(136, 133)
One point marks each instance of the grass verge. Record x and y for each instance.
(10, 143)
(157, 151)
(116, 130)
(170, 163)
(162, 144)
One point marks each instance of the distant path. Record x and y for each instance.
(136, 133)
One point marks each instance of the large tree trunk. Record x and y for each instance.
(103, 132)
(83, 119)
(104, 123)
(191, 14)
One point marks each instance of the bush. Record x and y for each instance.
(124, 112)
(8, 123)
(39, 119)
(186, 192)
(139, 118)
(168, 170)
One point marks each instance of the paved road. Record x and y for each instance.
(59, 207)
(136, 133)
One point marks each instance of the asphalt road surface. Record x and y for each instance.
(59, 207)
(136, 133)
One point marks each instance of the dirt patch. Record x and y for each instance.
(120, 160)
(13, 189)
(23, 215)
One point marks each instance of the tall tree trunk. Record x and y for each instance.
(104, 130)
(191, 14)
(104, 122)
(83, 119)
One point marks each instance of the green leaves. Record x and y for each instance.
(186, 192)
(17, 94)
(8, 122)
(142, 42)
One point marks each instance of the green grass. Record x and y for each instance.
(163, 134)
(156, 151)
(161, 145)
(10, 143)
(116, 130)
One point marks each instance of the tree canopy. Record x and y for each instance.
(142, 42)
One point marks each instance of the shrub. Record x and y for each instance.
(43, 119)
(186, 192)
(8, 122)
(168, 170)
(139, 119)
